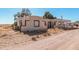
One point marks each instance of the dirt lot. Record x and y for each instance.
(53, 39)
(10, 39)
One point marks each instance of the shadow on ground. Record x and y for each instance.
(31, 33)
(34, 33)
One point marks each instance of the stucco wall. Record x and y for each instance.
(30, 24)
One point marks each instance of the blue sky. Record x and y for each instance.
(6, 14)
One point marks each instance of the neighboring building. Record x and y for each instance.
(66, 24)
(75, 25)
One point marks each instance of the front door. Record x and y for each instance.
(49, 25)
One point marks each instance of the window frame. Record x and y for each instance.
(20, 22)
(26, 22)
(45, 24)
(38, 23)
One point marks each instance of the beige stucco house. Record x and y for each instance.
(36, 23)
(27, 22)
(31, 23)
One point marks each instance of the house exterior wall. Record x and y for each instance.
(31, 22)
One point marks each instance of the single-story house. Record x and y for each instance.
(31, 23)
(36, 23)
(26, 22)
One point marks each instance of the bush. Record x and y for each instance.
(49, 34)
(34, 39)
(17, 28)
(45, 34)
(38, 36)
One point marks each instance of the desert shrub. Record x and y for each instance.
(38, 36)
(15, 24)
(45, 34)
(34, 39)
(48, 34)
(12, 26)
(17, 28)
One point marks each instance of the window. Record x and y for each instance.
(44, 23)
(20, 22)
(36, 23)
(26, 22)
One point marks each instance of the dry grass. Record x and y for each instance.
(9, 37)
(54, 31)
(5, 28)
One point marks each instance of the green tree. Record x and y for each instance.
(77, 22)
(15, 17)
(26, 11)
(18, 14)
(48, 15)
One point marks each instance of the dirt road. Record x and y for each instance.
(66, 40)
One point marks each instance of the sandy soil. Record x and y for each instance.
(10, 39)
(51, 40)
(65, 41)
